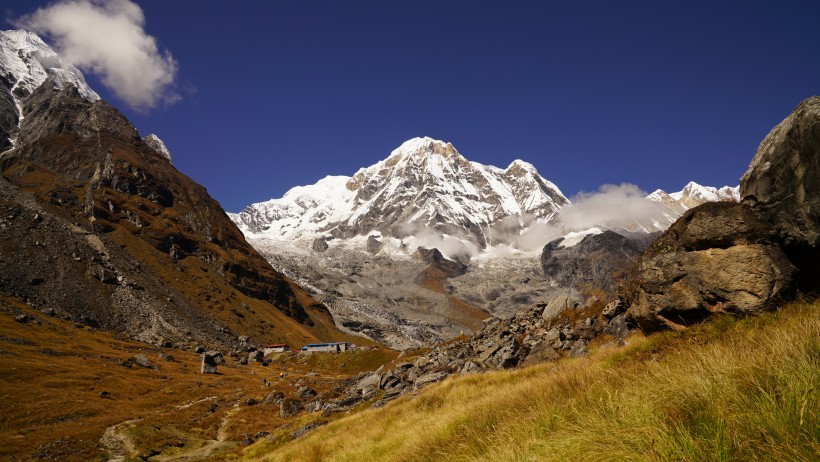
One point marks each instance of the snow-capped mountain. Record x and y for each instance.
(693, 195)
(26, 62)
(423, 184)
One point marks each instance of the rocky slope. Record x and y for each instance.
(114, 236)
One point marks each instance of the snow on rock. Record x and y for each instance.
(155, 143)
(26, 61)
(424, 186)
(693, 195)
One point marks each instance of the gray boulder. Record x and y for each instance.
(272, 398)
(374, 245)
(557, 305)
(142, 360)
(319, 244)
(289, 407)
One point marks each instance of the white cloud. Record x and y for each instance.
(108, 39)
(615, 206)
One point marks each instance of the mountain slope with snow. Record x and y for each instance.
(26, 62)
(424, 184)
(693, 195)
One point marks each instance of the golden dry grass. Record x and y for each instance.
(53, 374)
(728, 390)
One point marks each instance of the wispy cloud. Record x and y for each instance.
(612, 206)
(108, 38)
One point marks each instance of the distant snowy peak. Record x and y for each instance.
(694, 194)
(26, 62)
(155, 143)
(423, 184)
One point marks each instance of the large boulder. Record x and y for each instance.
(783, 184)
(718, 257)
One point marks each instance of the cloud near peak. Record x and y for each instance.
(108, 39)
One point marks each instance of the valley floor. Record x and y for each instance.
(726, 390)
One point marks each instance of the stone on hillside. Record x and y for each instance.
(374, 245)
(319, 244)
(718, 257)
(430, 378)
(142, 360)
(302, 431)
(210, 360)
(273, 398)
(557, 305)
(613, 309)
(305, 393)
(289, 407)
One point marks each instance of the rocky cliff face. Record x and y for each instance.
(101, 227)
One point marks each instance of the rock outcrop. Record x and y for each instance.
(718, 257)
(783, 184)
(740, 258)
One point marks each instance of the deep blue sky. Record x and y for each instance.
(281, 93)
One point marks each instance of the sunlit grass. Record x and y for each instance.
(727, 390)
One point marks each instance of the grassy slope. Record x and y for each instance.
(727, 390)
(52, 374)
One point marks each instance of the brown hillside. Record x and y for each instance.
(114, 235)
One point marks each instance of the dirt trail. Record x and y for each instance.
(120, 447)
(117, 443)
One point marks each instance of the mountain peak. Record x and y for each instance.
(424, 147)
(27, 61)
(425, 184)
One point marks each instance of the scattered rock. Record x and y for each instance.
(142, 360)
(23, 318)
(319, 244)
(289, 407)
(210, 360)
(558, 304)
(302, 431)
(305, 393)
(273, 398)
